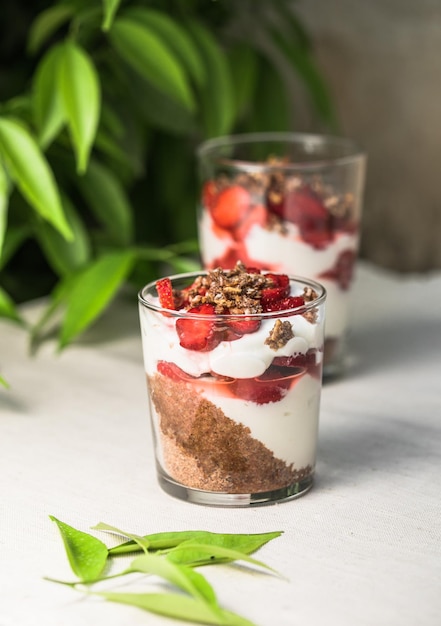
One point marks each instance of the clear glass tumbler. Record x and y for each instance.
(234, 398)
(286, 202)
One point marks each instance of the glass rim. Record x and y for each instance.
(181, 313)
(353, 151)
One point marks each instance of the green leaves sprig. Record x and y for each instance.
(171, 556)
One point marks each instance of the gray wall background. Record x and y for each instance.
(382, 61)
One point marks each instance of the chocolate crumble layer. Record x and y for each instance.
(205, 449)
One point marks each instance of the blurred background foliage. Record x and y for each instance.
(102, 104)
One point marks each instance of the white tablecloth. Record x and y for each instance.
(362, 548)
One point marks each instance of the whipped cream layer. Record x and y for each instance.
(246, 357)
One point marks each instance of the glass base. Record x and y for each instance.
(216, 498)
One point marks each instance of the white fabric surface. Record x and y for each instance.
(362, 548)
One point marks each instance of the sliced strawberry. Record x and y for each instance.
(165, 293)
(343, 269)
(280, 290)
(291, 302)
(305, 208)
(200, 335)
(256, 215)
(231, 206)
(244, 326)
(298, 360)
(172, 371)
(270, 387)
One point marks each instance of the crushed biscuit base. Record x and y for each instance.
(280, 334)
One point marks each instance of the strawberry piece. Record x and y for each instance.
(231, 206)
(343, 269)
(165, 293)
(295, 361)
(256, 215)
(172, 371)
(256, 391)
(200, 335)
(291, 302)
(305, 208)
(280, 290)
(243, 326)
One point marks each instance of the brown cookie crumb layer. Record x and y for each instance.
(205, 449)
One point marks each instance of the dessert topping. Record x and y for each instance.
(280, 334)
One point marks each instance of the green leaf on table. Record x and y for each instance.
(87, 555)
(65, 257)
(32, 174)
(216, 95)
(7, 307)
(147, 53)
(4, 383)
(176, 37)
(110, 8)
(81, 95)
(108, 200)
(4, 201)
(143, 543)
(193, 554)
(46, 23)
(177, 606)
(246, 543)
(179, 575)
(47, 102)
(91, 291)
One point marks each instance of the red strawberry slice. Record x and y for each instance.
(256, 215)
(343, 269)
(172, 371)
(291, 302)
(231, 206)
(280, 290)
(259, 391)
(200, 335)
(165, 293)
(305, 208)
(244, 326)
(295, 361)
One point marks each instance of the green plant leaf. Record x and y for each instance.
(110, 8)
(87, 555)
(65, 257)
(4, 201)
(107, 199)
(271, 108)
(176, 37)
(246, 543)
(46, 23)
(30, 171)
(92, 290)
(140, 541)
(147, 53)
(193, 554)
(81, 94)
(243, 63)
(47, 103)
(179, 575)
(177, 606)
(304, 63)
(216, 95)
(14, 237)
(4, 382)
(7, 307)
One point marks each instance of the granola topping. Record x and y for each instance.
(280, 334)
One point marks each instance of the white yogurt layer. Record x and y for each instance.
(246, 357)
(288, 428)
(289, 254)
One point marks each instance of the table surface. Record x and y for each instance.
(363, 547)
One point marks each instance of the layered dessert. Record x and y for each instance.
(272, 217)
(233, 361)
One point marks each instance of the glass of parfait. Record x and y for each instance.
(289, 203)
(233, 361)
